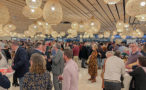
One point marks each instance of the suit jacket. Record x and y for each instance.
(83, 53)
(4, 82)
(58, 63)
(37, 51)
(21, 62)
(48, 64)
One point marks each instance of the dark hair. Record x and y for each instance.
(68, 53)
(142, 60)
(37, 44)
(118, 53)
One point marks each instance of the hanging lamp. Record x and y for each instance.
(52, 12)
(137, 8)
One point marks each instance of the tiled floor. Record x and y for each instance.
(84, 84)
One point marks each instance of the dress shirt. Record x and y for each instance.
(70, 76)
(114, 68)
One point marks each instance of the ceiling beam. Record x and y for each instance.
(124, 10)
(104, 11)
(111, 12)
(93, 14)
(100, 13)
(117, 11)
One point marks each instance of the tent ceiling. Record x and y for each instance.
(77, 10)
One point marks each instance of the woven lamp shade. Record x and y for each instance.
(139, 33)
(106, 34)
(111, 1)
(9, 27)
(100, 35)
(4, 14)
(34, 3)
(120, 24)
(134, 34)
(35, 28)
(83, 27)
(93, 30)
(47, 26)
(32, 13)
(94, 23)
(75, 25)
(123, 36)
(47, 31)
(52, 12)
(114, 32)
(137, 8)
(62, 33)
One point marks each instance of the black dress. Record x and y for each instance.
(139, 76)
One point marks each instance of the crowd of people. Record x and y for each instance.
(34, 61)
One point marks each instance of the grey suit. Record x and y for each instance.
(57, 69)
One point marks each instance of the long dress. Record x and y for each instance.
(92, 68)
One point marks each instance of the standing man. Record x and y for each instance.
(114, 68)
(70, 73)
(134, 54)
(38, 48)
(76, 51)
(21, 62)
(57, 66)
(83, 55)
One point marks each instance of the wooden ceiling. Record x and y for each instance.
(77, 10)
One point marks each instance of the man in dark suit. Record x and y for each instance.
(41, 49)
(38, 48)
(21, 62)
(83, 55)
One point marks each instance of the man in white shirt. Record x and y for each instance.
(70, 73)
(114, 68)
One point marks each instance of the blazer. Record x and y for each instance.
(83, 53)
(139, 76)
(21, 62)
(37, 51)
(58, 63)
(4, 82)
(48, 64)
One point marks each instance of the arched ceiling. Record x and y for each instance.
(77, 10)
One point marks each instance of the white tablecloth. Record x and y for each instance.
(127, 80)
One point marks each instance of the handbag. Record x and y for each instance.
(88, 60)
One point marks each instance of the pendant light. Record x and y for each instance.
(34, 3)
(52, 12)
(136, 8)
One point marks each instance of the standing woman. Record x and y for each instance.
(92, 68)
(38, 78)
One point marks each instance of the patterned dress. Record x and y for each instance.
(34, 81)
(92, 68)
